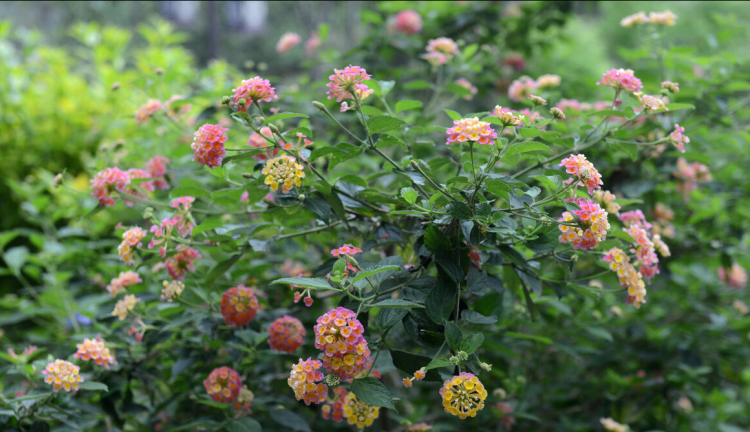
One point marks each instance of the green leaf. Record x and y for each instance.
(523, 147)
(552, 182)
(435, 240)
(193, 191)
(542, 339)
(439, 362)
(408, 104)
(498, 187)
(459, 210)
(629, 149)
(600, 332)
(94, 386)
(390, 140)
(384, 123)
(410, 363)
(245, 424)
(369, 271)
(409, 194)
(398, 304)
(417, 85)
(473, 317)
(440, 302)
(372, 392)
(472, 342)
(544, 243)
(454, 336)
(220, 269)
(453, 115)
(452, 269)
(609, 113)
(530, 306)
(284, 115)
(389, 317)
(458, 90)
(371, 110)
(290, 420)
(242, 156)
(207, 225)
(305, 282)
(319, 207)
(679, 106)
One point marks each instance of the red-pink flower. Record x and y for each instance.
(346, 250)
(736, 278)
(578, 166)
(340, 336)
(208, 145)
(124, 280)
(348, 80)
(312, 43)
(182, 262)
(305, 380)
(521, 88)
(471, 130)
(253, 90)
(105, 184)
(286, 334)
(635, 218)
(678, 138)
(156, 168)
(440, 51)
(621, 79)
(145, 112)
(287, 42)
(223, 384)
(407, 22)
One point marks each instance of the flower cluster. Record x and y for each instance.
(182, 262)
(607, 199)
(183, 220)
(148, 186)
(522, 88)
(253, 90)
(463, 82)
(287, 42)
(62, 374)
(258, 140)
(285, 171)
(621, 79)
(506, 116)
(105, 184)
(660, 246)
(475, 255)
(548, 80)
(593, 225)
(238, 305)
(96, 350)
(172, 290)
(463, 395)
(313, 42)
(347, 82)
(505, 409)
(575, 105)
(663, 216)
(131, 240)
(286, 334)
(339, 334)
(243, 402)
(636, 18)
(418, 376)
(333, 409)
(440, 51)
(735, 278)
(407, 22)
(346, 250)
(644, 251)
(662, 18)
(419, 427)
(302, 142)
(629, 278)
(612, 426)
(471, 129)
(578, 166)
(223, 384)
(125, 306)
(691, 174)
(144, 113)
(161, 234)
(157, 168)
(678, 138)
(651, 103)
(635, 218)
(208, 145)
(124, 280)
(358, 413)
(305, 380)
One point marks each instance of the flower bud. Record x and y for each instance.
(159, 71)
(225, 100)
(585, 173)
(58, 180)
(485, 366)
(574, 258)
(454, 360)
(558, 113)
(462, 355)
(247, 175)
(148, 213)
(506, 117)
(405, 423)
(242, 102)
(521, 379)
(115, 86)
(671, 87)
(274, 129)
(319, 105)
(301, 197)
(332, 380)
(536, 100)
(499, 393)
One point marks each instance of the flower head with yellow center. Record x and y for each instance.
(471, 130)
(651, 103)
(239, 305)
(286, 334)
(593, 225)
(172, 290)
(62, 375)
(124, 280)
(463, 395)
(147, 110)
(306, 381)
(208, 145)
(359, 413)
(628, 276)
(184, 261)
(283, 171)
(347, 82)
(223, 384)
(96, 350)
(253, 90)
(125, 306)
(340, 336)
(106, 183)
(578, 166)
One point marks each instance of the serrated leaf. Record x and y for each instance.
(409, 195)
(384, 123)
(452, 269)
(435, 240)
(440, 302)
(372, 392)
(319, 207)
(408, 104)
(389, 317)
(282, 116)
(305, 282)
(498, 187)
(453, 336)
(389, 140)
(523, 147)
(473, 317)
(369, 271)
(245, 424)
(472, 342)
(397, 303)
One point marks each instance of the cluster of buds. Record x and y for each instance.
(185, 222)
(286, 334)
(548, 80)
(651, 103)
(690, 174)
(62, 375)
(644, 251)
(440, 51)
(506, 116)
(306, 381)
(578, 166)
(607, 200)
(678, 138)
(125, 306)
(628, 276)
(418, 376)
(283, 171)
(223, 384)
(254, 90)
(239, 306)
(463, 395)
(339, 334)
(121, 282)
(557, 113)
(736, 277)
(172, 290)
(350, 266)
(287, 42)
(182, 262)
(662, 18)
(96, 350)
(471, 130)
(536, 100)
(157, 168)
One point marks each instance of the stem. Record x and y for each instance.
(416, 166)
(310, 231)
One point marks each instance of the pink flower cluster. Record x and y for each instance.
(208, 145)
(407, 22)
(644, 251)
(593, 225)
(629, 278)
(346, 81)
(124, 280)
(651, 103)
(522, 88)
(678, 138)
(161, 234)
(131, 240)
(287, 42)
(339, 334)
(471, 129)
(578, 166)
(690, 174)
(157, 168)
(346, 250)
(131, 190)
(313, 42)
(305, 379)
(735, 278)
(105, 184)
(463, 82)
(299, 294)
(440, 51)
(253, 90)
(182, 262)
(145, 112)
(621, 79)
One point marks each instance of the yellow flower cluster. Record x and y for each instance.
(359, 413)
(463, 395)
(629, 277)
(96, 350)
(124, 306)
(172, 290)
(285, 171)
(62, 374)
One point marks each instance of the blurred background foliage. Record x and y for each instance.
(75, 72)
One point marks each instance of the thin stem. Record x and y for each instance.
(416, 166)
(310, 231)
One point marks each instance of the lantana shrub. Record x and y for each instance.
(406, 225)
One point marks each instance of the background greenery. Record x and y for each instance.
(580, 361)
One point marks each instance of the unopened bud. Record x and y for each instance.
(596, 314)
(115, 86)
(262, 66)
(58, 180)
(332, 380)
(301, 197)
(405, 423)
(574, 258)
(521, 379)
(671, 87)
(506, 117)
(536, 100)
(225, 100)
(585, 173)
(454, 360)
(274, 129)
(485, 366)
(242, 102)
(159, 71)
(319, 105)
(558, 113)
(500, 393)
(148, 213)
(247, 175)
(462, 355)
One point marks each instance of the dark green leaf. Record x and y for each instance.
(221, 268)
(473, 317)
(282, 116)
(459, 210)
(387, 318)
(245, 424)
(384, 123)
(410, 363)
(397, 303)
(304, 282)
(437, 363)
(472, 342)
(372, 392)
(523, 147)
(435, 240)
(440, 302)
(290, 420)
(498, 187)
(453, 335)
(452, 269)
(93, 386)
(319, 207)
(390, 140)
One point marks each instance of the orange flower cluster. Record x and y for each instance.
(305, 380)
(239, 306)
(223, 384)
(286, 334)
(339, 334)
(96, 350)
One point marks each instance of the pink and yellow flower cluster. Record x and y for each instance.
(471, 130)
(592, 225)
(463, 395)
(340, 336)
